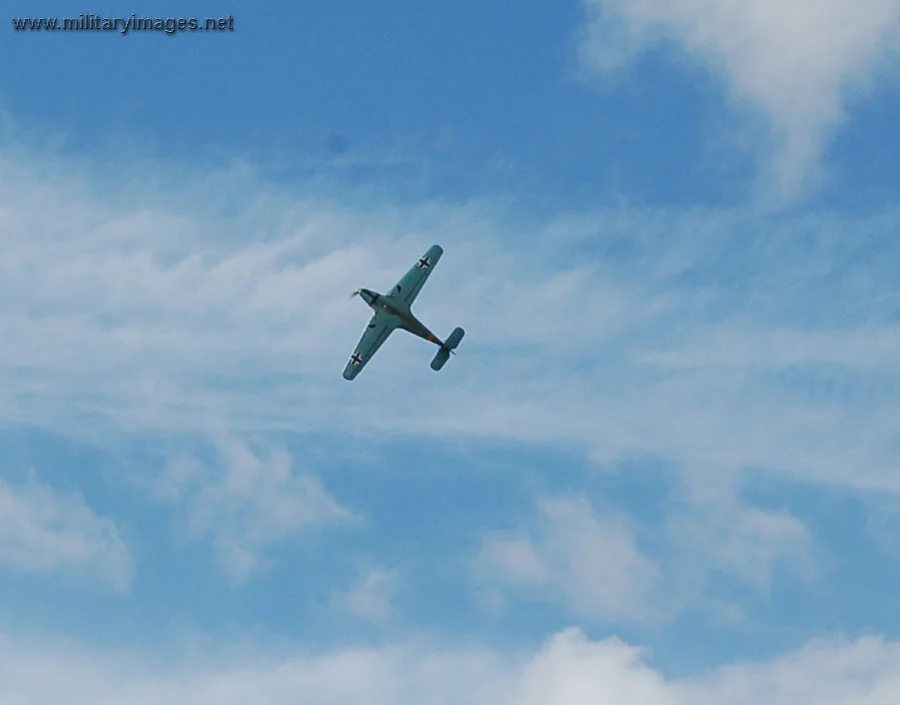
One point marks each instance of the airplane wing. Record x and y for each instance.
(378, 330)
(408, 288)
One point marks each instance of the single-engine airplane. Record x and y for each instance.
(394, 311)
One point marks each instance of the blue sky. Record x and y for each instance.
(662, 468)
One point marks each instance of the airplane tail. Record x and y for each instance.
(448, 347)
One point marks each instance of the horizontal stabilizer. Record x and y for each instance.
(440, 359)
(444, 353)
(455, 337)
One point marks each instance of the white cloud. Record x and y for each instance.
(588, 560)
(576, 671)
(796, 63)
(864, 672)
(43, 530)
(593, 566)
(569, 670)
(371, 597)
(748, 544)
(247, 502)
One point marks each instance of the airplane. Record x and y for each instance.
(394, 311)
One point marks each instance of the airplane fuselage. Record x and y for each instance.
(403, 314)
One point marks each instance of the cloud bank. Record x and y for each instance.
(569, 669)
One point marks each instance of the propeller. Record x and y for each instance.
(355, 294)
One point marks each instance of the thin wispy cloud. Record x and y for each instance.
(371, 599)
(45, 531)
(592, 565)
(696, 337)
(245, 501)
(747, 544)
(588, 559)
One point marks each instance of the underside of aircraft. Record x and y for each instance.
(394, 310)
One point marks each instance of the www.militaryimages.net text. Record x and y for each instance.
(90, 22)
